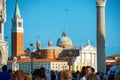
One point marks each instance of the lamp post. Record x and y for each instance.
(31, 57)
(70, 60)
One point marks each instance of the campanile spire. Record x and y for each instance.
(17, 11)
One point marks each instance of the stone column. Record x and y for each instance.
(3, 44)
(1, 31)
(101, 58)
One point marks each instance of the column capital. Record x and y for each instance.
(100, 3)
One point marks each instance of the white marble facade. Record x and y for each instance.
(87, 57)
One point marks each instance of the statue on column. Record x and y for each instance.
(15, 65)
(2, 11)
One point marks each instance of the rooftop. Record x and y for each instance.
(36, 60)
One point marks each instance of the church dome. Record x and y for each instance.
(64, 41)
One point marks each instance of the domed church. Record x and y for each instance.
(64, 41)
(62, 49)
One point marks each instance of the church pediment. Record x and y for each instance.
(89, 47)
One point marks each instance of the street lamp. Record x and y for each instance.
(31, 57)
(70, 60)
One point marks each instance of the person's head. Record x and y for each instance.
(91, 76)
(36, 73)
(82, 73)
(10, 71)
(4, 68)
(27, 77)
(88, 70)
(42, 73)
(117, 77)
(19, 75)
(42, 69)
(93, 70)
(66, 75)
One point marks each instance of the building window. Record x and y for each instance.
(19, 24)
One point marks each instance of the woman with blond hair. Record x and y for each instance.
(18, 75)
(66, 75)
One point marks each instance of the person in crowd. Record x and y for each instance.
(66, 75)
(53, 76)
(42, 74)
(10, 71)
(56, 73)
(77, 73)
(4, 75)
(36, 74)
(18, 75)
(101, 75)
(105, 77)
(88, 70)
(91, 76)
(48, 74)
(97, 74)
(93, 70)
(15, 77)
(117, 77)
(59, 75)
(82, 73)
(27, 77)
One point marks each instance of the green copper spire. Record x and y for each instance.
(17, 11)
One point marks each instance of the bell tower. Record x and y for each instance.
(17, 33)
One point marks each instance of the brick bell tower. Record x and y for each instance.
(17, 33)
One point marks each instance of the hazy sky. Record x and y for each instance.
(49, 18)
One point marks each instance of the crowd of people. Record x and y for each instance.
(87, 73)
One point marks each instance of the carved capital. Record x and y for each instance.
(100, 3)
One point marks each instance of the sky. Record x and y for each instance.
(47, 19)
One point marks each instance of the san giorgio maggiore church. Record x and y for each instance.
(62, 56)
